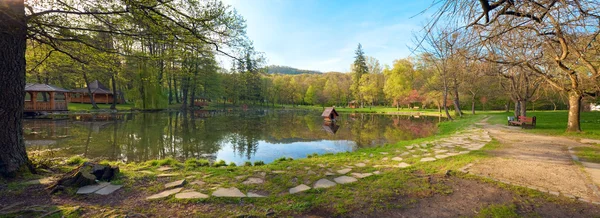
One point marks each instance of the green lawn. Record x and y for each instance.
(88, 107)
(589, 154)
(555, 123)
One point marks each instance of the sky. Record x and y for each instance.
(323, 34)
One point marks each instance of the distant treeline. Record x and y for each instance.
(275, 69)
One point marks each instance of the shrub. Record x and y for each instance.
(219, 163)
(247, 163)
(168, 161)
(194, 163)
(232, 164)
(259, 163)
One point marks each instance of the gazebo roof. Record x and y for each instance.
(96, 87)
(328, 112)
(38, 87)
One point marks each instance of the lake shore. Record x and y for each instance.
(393, 191)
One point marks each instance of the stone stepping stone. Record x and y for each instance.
(228, 192)
(190, 195)
(384, 159)
(414, 155)
(190, 177)
(109, 189)
(324, 183)
(164, 194)
(376, 172)
(88, 189)
(321, 165)
(239, 177)
(146, 172)
(384, 153)
(427, 159)
(310, 172)
(360, 164)
(251, 181)
(167, 175)
(307, 168)
(329, 174)
(361, 175)
(405, 153)
(175, 184)
(402, 165)
(164, 168)
(299, 188)
(441, 156)
(345, 179)
(278, 171)
(255, 195)
(397, 159)
(409, 147)
(440, 151)
(262, 174)
(344, 171)
(198, 182)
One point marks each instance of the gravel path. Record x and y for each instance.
(536, 161)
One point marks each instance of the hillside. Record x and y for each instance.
(274, 69)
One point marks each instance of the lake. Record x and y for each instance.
(234, 136)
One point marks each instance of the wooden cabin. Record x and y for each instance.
(45, 98)
(353, 104)
(329, 114)
(102, 95)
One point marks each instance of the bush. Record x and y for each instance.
(259, 163)
(281, 159)
(220, 163)
(232, 164)
(76, 160)
(194, 163)
(248, 163)
(168, 161)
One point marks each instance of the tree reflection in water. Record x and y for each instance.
(230, 135)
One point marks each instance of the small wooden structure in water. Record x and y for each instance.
(329, 114)
(99, 91)
(45, 98)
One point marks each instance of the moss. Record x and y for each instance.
(76, 160)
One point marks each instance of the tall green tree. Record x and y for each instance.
(359, 68)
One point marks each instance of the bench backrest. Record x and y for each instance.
(526, 119)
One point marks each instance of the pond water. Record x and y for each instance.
(233, 136)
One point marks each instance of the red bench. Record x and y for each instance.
(524, 122)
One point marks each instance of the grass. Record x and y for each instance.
(88, 107)
(555, 123)
(589, 154)
(498, 211)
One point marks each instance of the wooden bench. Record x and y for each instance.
(524, 122)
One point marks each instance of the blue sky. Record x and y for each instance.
(323, 34)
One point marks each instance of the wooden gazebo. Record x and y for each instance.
(99, 91)
(44, 97)
(353, 104)
(329, 114)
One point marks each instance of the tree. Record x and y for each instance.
(397, 83)
(566, 30)
(66, 26)
(311, 95)
(359, 68)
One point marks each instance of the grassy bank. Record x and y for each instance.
(80, 107)
(555, 123)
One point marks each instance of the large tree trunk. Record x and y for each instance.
(12, 86)
(517, 108)
(574, 112)
(473, 104)
(457, 102)
(445, 100)
(523, 107)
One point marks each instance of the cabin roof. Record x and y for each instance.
(96, 88)
(38, 87)
(328, 111)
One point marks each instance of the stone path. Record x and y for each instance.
(460, 143)
(102, 188)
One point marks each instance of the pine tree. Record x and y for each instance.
(359, 68)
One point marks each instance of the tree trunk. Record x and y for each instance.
(445, 101)
(87, 83)
(12, 87)
(507, 106)
(170, 90)
(473, 104)
(517, 109)
(114, 88)
(574, 112)
(184, 90)
(523, 107)
(456, 99)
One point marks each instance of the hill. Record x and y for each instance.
(275, 69)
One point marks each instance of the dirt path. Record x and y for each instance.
(536, 161)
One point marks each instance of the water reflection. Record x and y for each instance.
(234, 136)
